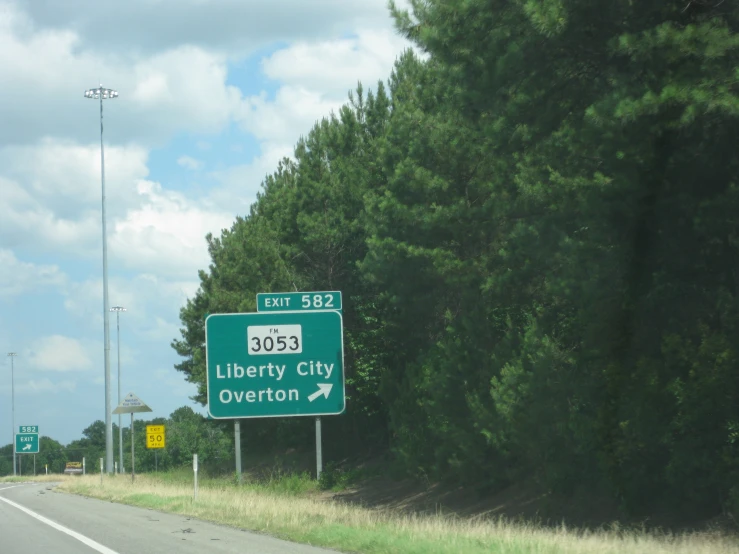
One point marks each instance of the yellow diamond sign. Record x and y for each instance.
(155, 436)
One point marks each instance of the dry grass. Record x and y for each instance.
(307, 518)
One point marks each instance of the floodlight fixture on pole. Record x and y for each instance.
(118, 310)
(12, 355)
(101, 94)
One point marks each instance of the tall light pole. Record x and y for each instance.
(118, 310)
(104, 94)
(12, 355)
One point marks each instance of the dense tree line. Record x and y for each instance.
(534, 225)
(186, 431)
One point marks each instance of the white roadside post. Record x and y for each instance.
(195, 471)
(83, 465)
(101, 472)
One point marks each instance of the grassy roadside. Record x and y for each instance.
(290, 507)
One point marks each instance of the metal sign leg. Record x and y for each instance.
(319, 451)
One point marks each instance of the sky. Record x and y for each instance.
(212, 94)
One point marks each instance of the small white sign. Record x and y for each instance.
(132, 400)
(274, 339)
(131, 404)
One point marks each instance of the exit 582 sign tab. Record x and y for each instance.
(298, 301)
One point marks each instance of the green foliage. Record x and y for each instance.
(534, 228)
(187, 433)
(288, 484)
(337, 478)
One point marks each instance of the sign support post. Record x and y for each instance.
(319, 451)
(237, 441)
(133, 460)
(130, 405)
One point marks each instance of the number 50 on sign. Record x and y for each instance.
(155, 436)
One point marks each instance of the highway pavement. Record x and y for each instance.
(35, 519)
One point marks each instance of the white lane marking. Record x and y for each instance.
(74, 534)
(10, 487)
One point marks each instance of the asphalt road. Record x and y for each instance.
(35, 519)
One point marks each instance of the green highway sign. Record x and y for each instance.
(26, 443)
(275, 364)
(28, 429)
(298, 301)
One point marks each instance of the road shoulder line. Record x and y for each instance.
(74, 534)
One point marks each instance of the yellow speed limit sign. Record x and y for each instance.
(155, 437)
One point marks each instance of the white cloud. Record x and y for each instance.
(152, 307)
(183, 88)
(143, 26)
(39, 386)
(59, 353)
(162, 330)
(293, 112)
(18, 277)
(316, 78)
(46, 62)
(336, 65)
(165, 235)
(172, 380)
(67, 174)
(189, 163)
(241, 183)
(45, 71)
(51, 194)
(51, 205)
(170, 62)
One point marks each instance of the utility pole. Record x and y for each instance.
(12, 355)
(104, 94)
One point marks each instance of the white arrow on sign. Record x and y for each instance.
(323, 389)
(27, 447)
